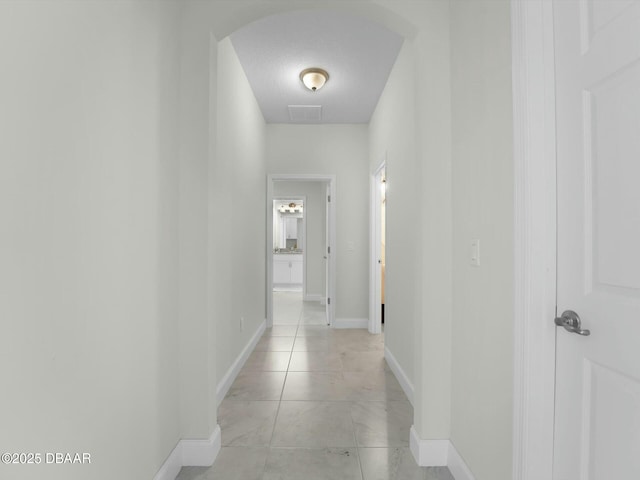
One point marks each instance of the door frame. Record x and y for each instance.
(375, 239)
(331, 180)
(303, 198)
(534, 131)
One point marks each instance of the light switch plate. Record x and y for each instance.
(475, 252)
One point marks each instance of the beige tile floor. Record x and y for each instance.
(312, 403)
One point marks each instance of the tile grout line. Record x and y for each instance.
(353, 425)
(275, 422)
(355, 438)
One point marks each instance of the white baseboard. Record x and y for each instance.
(429, 453)
(225, 383)
(171, 466)
(397, 370)
(201, 453)
(439, 453)
(190, 453)
(313, 297)
(351, 323)
(457, 466)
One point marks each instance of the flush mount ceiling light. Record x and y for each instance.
(314, 78)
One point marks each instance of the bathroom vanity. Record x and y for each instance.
(287, 268)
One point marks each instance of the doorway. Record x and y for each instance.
(377, 248)
(309, 256)
(289, 244)
(289, 254)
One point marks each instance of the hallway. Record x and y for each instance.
(140, 145)
(314, 403)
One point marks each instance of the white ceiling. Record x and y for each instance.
(357, 53)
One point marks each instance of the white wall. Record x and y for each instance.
(411, 126)
(340, 150)
(239, 210)
(433, 120)
(482, 208)
(88, 237)
(198, 226)
(315, 218)
(392, 136)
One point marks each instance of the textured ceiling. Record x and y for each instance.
(357, 53)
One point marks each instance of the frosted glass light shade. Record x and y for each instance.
(314, 78)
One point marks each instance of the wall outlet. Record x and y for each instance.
(242, 324)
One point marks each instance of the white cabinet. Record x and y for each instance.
(281, 271)
(296, 271)
(287, 269)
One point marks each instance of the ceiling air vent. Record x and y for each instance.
(305, 113)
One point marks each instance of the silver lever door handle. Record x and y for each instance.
(570, 320)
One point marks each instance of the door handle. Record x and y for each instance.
(571, 322)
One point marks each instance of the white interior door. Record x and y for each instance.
(375, 322)
(597, 423)
(327, 255)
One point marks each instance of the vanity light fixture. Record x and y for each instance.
(314, 78)
(291, 208)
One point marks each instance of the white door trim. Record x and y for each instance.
(375, 239)
(534, 237)
(331, 180)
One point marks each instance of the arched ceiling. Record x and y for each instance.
(357, 52)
